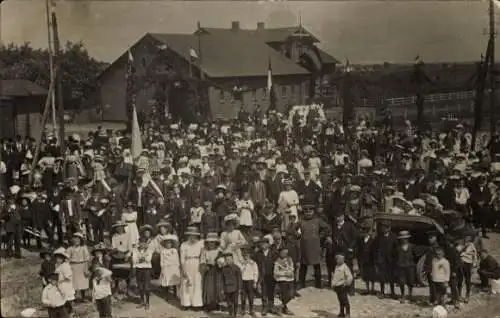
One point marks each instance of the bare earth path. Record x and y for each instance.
(20, 289)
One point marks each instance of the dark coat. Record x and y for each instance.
(344, 239)
(313, 231)
(363, 251)
(267, 224)
(265, 263)
(231, 278)
(309, 193)
(41, 214)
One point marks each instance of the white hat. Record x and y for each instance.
(231, 217)
(419, 202)
(14, 189)
(439, 312)
(28, 312)
(61, 251)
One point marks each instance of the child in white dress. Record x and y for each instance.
(245, 209)
(130, 218)
(170, 276)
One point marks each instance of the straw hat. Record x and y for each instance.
(404, 235)
(212, 237)
(119, 224)
(170, 237)
(192, 230)
(231, 217)
(145, 227)
(61, 251)
(79, 235)
(163, 224)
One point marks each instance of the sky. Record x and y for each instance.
(361, 31)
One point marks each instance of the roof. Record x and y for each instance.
(327, 58)
(231, 56)
(266, 35)
(20, 88)
(272, 35)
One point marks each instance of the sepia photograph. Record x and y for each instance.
(249, 159)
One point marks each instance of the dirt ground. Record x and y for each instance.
(21, 289)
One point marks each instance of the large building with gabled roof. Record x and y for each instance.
(228, 67)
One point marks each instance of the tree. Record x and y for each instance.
(79, 70)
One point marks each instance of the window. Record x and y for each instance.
(143, 62)
(254, 94)
(221, 96)
(292, 90)
(283, 91)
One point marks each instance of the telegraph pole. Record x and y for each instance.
(492, 69)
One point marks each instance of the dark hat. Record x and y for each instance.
(98, 247)
(53, 276)
(45, 252)
(432, 234)
(385, 223)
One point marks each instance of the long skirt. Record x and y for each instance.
(191, 287)
(80, 280)
(212, 286)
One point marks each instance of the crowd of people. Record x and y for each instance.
(222, 213)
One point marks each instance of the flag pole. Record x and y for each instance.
(58, 87)
(492, 69)
(51, 66)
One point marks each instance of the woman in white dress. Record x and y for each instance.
(190, 293)
(65, 282)
(231, 239)
(130, 217)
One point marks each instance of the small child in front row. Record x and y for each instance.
(342, 279)
(170, 276)
(53, 298)
(250, 277)
(284, 274)
(47, 267)
(101, 291)
(231, 280)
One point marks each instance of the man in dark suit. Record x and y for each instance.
(479, 202)
(344, 235)
(13, 226)
(257, 191)
(265, 259)
(70, 210)
(308, 190)
(42, 216)
(139, 195)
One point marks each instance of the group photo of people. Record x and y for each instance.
(218, 215)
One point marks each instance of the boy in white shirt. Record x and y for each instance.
(250, 277)
(101, 291)
(53, 298)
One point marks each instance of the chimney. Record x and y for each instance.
(235, 25)
(261, 26)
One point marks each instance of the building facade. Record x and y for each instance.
(228, 67)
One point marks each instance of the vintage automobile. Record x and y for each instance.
(449, 225)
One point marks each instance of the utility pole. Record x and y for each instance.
(59, 92)
(492, 69)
